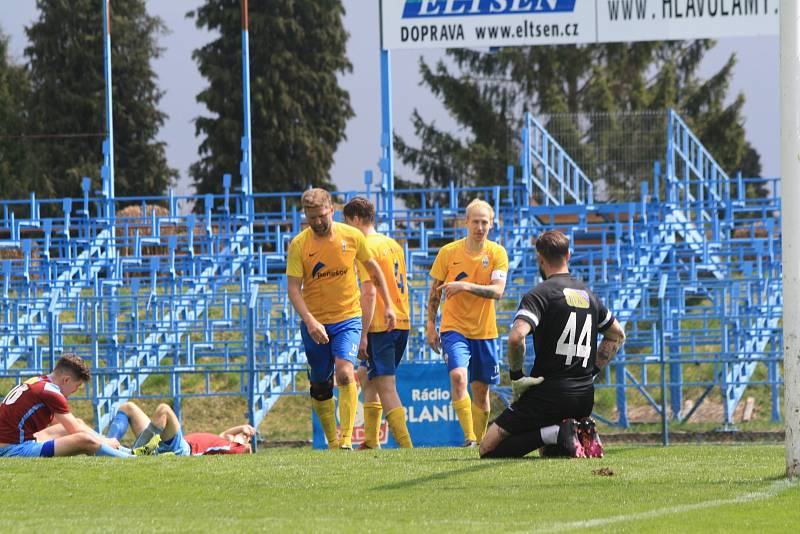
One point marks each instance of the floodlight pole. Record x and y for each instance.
(387, 142)
(246, 170)
(108, 152)
(246, 167)
(790, 215)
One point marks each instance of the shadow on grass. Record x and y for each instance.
(476, 464)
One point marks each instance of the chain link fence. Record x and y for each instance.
(617, 151)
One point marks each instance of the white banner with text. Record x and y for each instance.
(410, 24)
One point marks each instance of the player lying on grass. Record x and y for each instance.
(162, 433)
(552, 406)
(32, 406)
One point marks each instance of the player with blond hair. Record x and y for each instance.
(471, 272)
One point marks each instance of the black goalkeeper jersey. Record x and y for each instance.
(566, 318)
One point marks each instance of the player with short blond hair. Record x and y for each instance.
(471, 272)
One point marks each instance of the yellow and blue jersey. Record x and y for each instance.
(392, 261)
(468, 314)
(327, 268)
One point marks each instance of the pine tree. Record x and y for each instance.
(68, 96)
(14, 180)
(488, 94)
(299, 111)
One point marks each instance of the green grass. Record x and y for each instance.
(678, 489)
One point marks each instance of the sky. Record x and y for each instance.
(756, 76)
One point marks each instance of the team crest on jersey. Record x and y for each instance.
(344, 245)
(485, 262)
(577, 298)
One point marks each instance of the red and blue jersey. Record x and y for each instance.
(29, 408)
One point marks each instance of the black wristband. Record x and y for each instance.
(515, 375)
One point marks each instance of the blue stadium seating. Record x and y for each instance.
(152, 295)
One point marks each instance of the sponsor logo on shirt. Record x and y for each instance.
(317, 272)
(577, 298)
(461, 276)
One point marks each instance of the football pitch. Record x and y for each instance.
(702, 488)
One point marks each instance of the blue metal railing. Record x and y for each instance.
(196, 303)
(551, 176)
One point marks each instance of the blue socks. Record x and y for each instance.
(118, 426)
(106, 450)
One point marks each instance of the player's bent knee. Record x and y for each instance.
(345, 373)
(344, 379)
(487, 446)
(458, 379)
(494, 435)
(87, 442)
(322, 391)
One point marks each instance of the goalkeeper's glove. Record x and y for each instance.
(521, 383)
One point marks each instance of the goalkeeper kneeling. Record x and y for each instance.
(553, 405)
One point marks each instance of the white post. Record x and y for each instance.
(790, 200)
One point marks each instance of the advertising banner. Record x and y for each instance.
(424, 390)
(483, 23)
(418, 24)
(667, 20)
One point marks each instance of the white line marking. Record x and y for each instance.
(770, 491)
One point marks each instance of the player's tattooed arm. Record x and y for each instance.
(516, 359)
(613, 339)
(607, 349)
(431, 334)
(516, 344)
(516, 356)
(434, 299)
(487, 292)
(492, 291)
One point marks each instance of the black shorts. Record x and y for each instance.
(545, 405)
